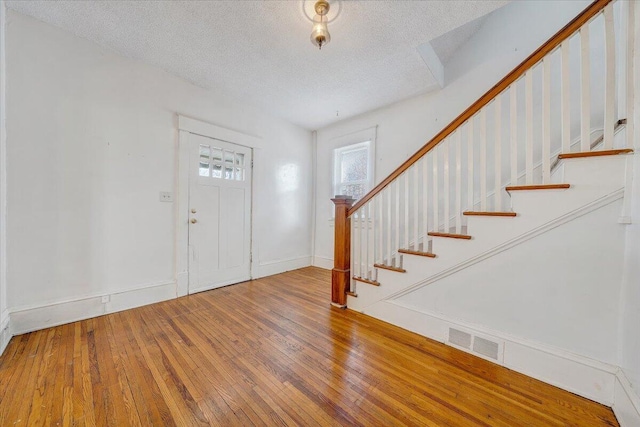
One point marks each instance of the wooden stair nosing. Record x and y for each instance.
(352, 294)
(363, 280)
(595, 153)
(449, 235)
(390, 268)
(479, 213)
(419, 253)
(538, 187)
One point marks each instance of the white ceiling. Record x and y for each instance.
(259, 51)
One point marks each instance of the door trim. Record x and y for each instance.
(186, 127)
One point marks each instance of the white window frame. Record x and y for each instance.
(354, 141)
(337, 166)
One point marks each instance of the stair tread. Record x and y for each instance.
(450, 235)
(362, 279)
(352, 294)
(420, 253)
(538, 187)
(595, 153)
(390, 267)
(486, 213)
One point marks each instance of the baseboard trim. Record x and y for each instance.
(626, 402)
(29, 319)
(322, 262)
(280, 266)
(578, 374)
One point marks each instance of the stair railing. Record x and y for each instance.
(465, 169)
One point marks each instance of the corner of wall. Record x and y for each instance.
(5, 330)
(626, 403)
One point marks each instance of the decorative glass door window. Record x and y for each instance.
(219, 163)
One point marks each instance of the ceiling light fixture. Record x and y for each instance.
(320, 32)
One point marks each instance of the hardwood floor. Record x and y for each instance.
(266, 352)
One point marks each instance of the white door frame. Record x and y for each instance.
(186, 127)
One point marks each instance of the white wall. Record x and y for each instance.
(506, 38)
(92, 140)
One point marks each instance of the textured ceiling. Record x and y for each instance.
(259, 51)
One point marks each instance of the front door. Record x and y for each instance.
(219, 213)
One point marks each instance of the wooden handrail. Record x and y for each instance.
(592, 10)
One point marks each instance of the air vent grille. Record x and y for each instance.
(459, 338)
(485, 347)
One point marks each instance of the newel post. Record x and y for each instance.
(341, 274)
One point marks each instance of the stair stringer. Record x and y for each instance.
(556, 318)
(593, 181)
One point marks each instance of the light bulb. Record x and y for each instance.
(320, 33)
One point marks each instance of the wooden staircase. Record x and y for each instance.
(433, 199)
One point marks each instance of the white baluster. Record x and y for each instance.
(355, 255)
(436, 208)
(470, 139)
(445, 189)
(566, 99)
(528, 80)
(546, 120)
(389, 224)
(483, 159)
(380, 227)
(585, 90)
(425, 201)
(416, 206)
(497, 147)
(610, 77)
(513, 132)
(361, 248)
(365, 231)
(406, 211)
(456, 138)
(396, 242)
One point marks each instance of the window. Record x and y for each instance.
(353, 169)
(212, 164)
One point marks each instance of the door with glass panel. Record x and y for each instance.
(219, 213)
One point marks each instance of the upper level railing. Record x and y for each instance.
(510, 136)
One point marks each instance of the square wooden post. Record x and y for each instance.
(341, 273)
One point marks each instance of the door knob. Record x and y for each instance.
(193, 220)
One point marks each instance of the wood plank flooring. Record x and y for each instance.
(267, 352)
